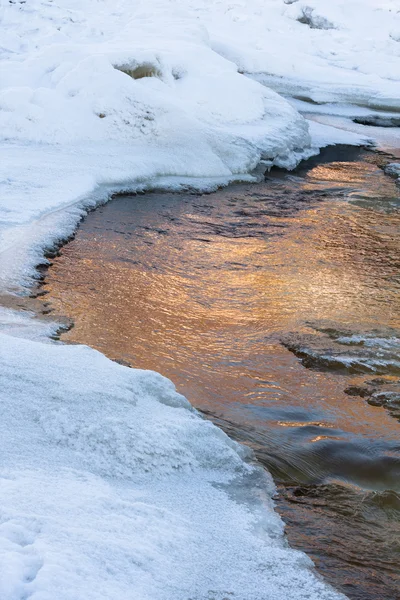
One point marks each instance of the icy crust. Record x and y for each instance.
(27, 325)
(115, 96)
(113, 487)
(337, 51)
(393, 169)
(101, 97)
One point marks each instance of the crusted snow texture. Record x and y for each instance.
(114, 95)
(394, 170)
(120, 95)
(113, 487)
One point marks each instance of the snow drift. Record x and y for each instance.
(97, 94)
(112, 485)
(117, 94)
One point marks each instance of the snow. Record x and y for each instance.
(98, 96)
(27, 325)
(394, 170)
(112, 485)
(348, 53)
(343, 124)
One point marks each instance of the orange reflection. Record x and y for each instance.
(206, 307)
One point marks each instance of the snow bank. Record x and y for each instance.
(98, 96)
(113, 487)
(337, 51)
(114, 94)
(350, 124)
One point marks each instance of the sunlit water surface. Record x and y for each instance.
(275, 309)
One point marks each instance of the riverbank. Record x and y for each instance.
(112, 485)
(208, 289)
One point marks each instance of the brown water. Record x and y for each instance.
(232, 295)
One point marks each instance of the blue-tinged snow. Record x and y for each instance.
(119, 94)
(112, 486)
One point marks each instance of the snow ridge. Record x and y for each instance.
(112, 486)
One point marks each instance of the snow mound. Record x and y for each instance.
(113, 96)
(106, 419)
(112, 486)
(98, 97)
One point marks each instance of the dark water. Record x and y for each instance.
(275, 309)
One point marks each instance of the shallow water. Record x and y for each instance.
(275, 309)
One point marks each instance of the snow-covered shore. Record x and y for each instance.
(112, 486)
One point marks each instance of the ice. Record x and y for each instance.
(343, 123)
(394, 170)
(326, 134)
(27, 325)
(383, 138)
(112, 486)
(365, 353)
(103, 97)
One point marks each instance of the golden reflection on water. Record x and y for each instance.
(202, 289)
(205, 304)
(320, 438)
(339, 173)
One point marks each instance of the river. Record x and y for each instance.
(275, 308)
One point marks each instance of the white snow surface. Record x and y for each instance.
(112, 486)
(104, 95)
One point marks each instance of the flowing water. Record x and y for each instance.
(275, 309)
